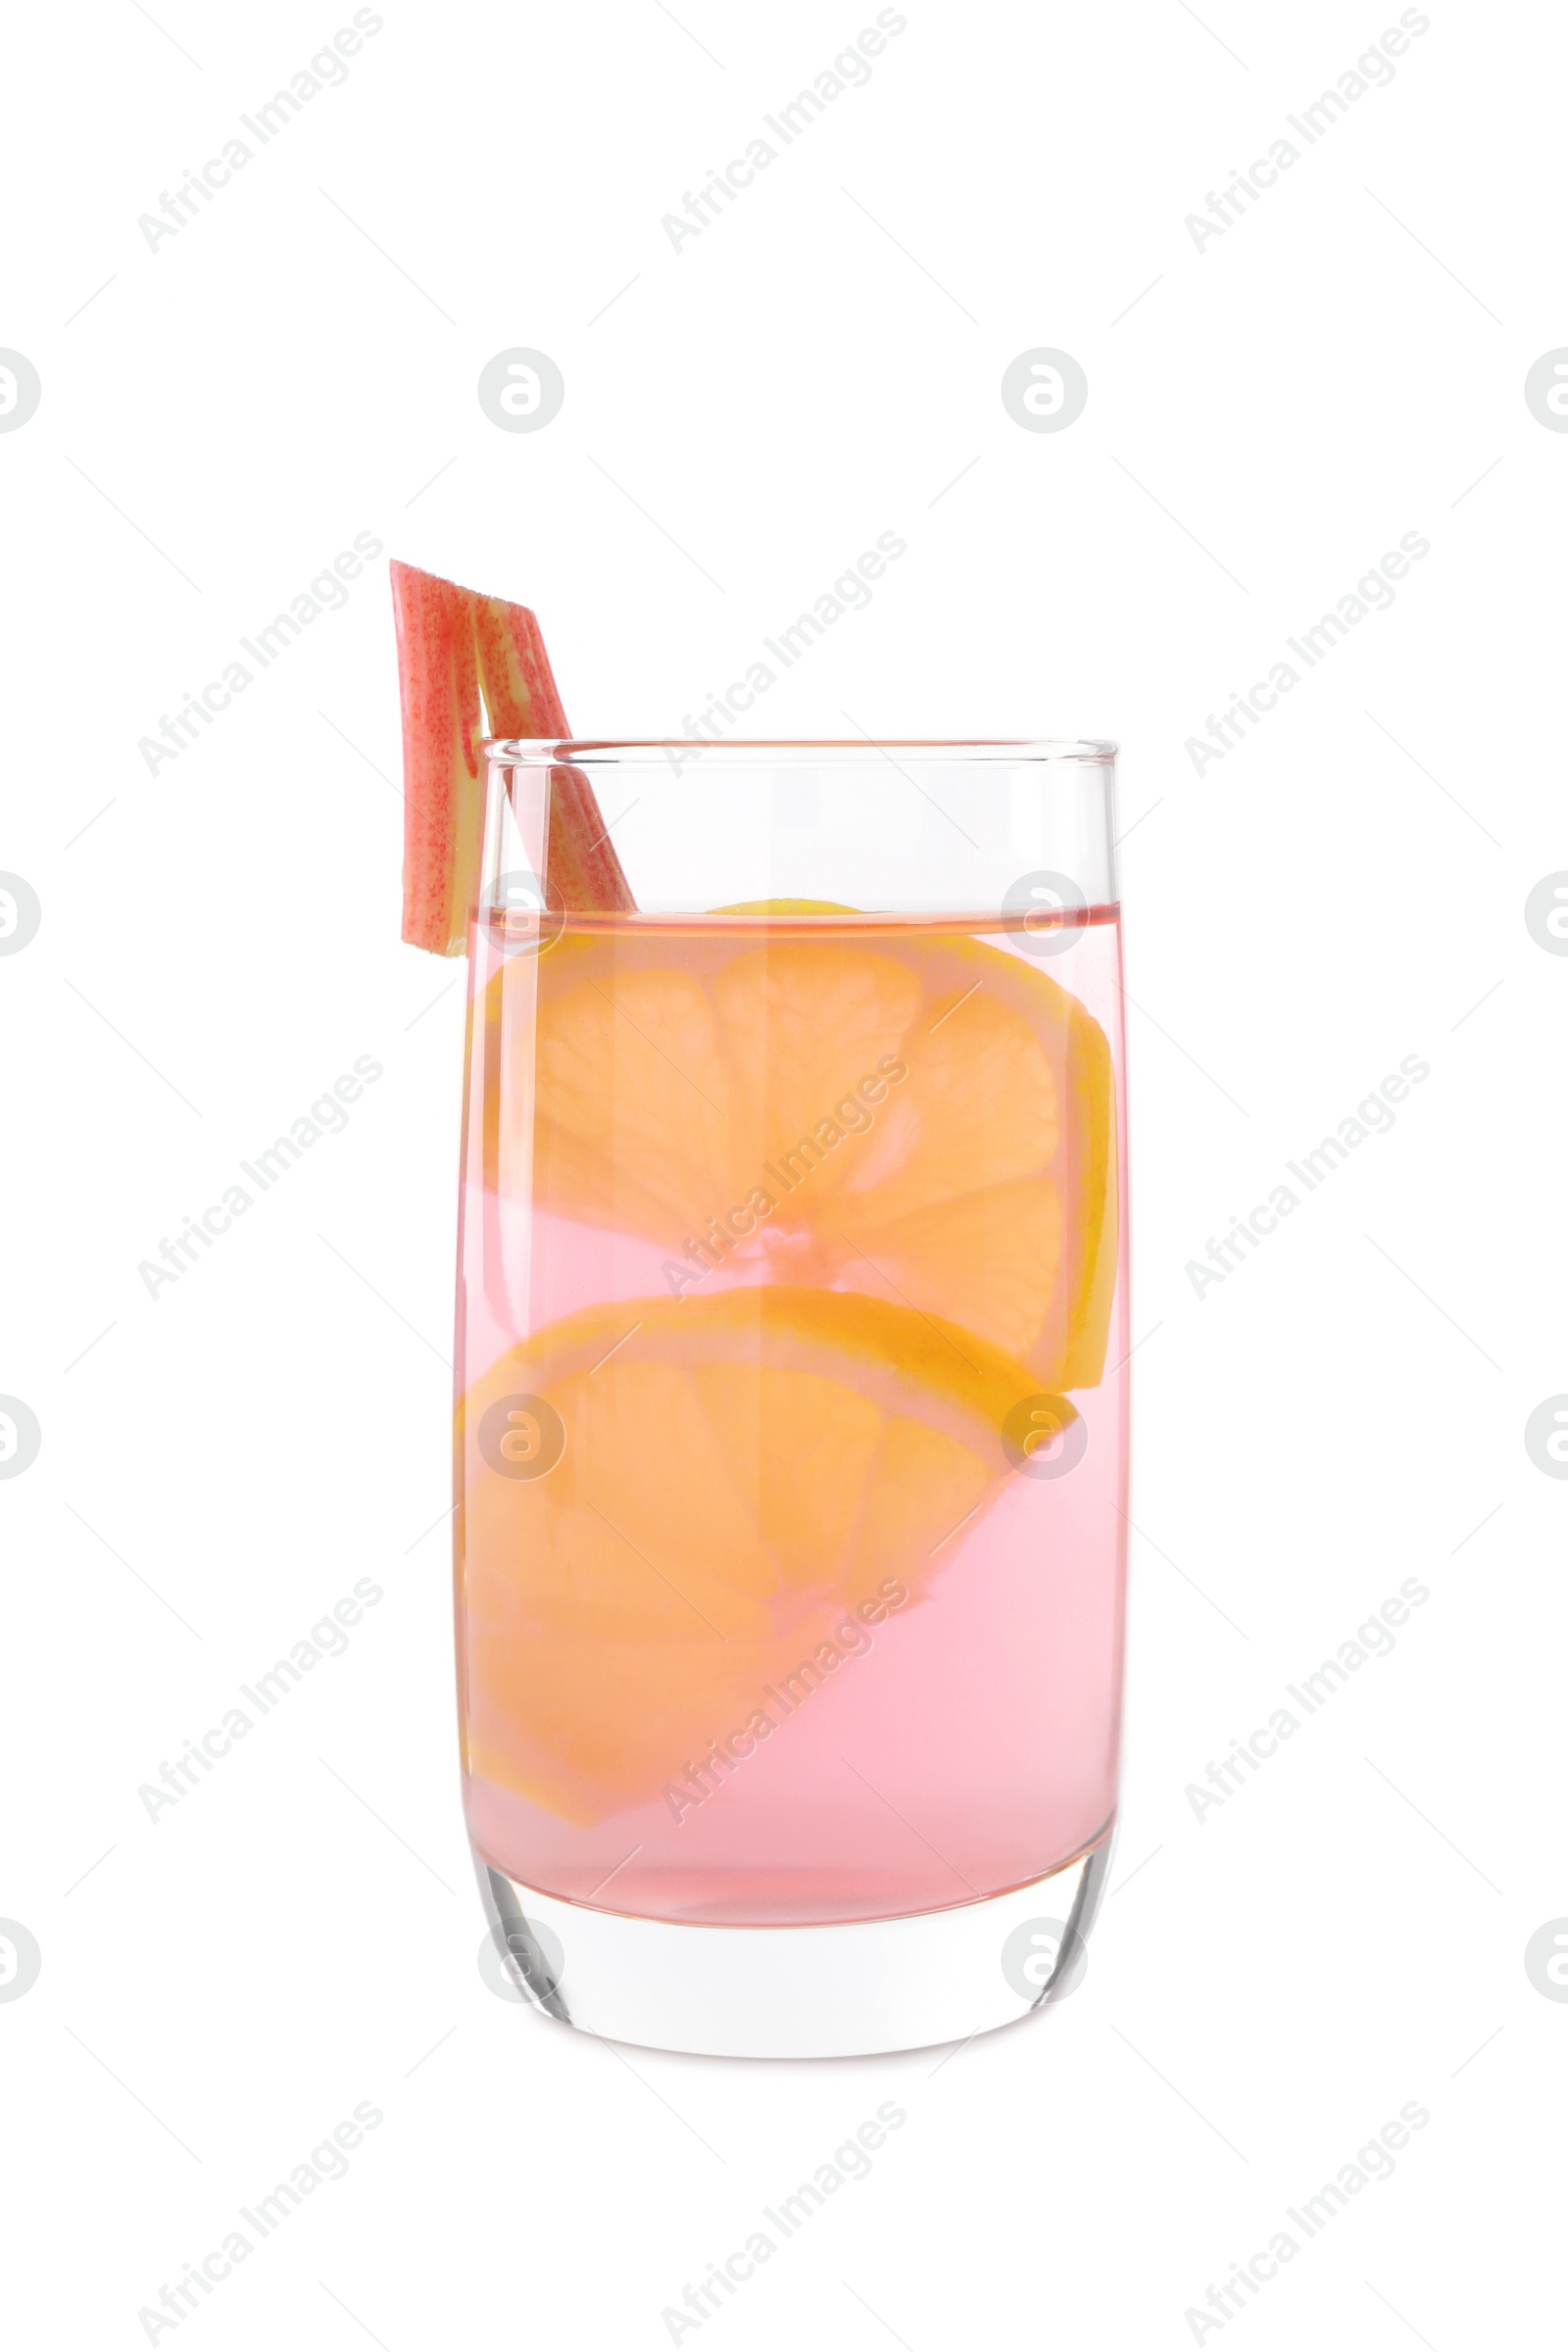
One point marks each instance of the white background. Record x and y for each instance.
(1269, 1983)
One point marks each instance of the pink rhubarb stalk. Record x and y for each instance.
(451, 642)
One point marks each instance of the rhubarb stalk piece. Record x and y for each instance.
(451, 644)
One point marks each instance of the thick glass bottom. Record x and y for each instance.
(855, 1988)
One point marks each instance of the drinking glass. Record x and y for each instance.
(791, 1389)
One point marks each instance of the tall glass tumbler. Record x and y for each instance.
(791, 1389)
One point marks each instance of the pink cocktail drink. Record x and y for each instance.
(791, 1341)
(790, 1434)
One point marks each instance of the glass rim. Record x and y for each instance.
(804, 750)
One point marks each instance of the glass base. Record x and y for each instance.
(854, 1990)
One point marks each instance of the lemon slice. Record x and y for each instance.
(721, 1481)
(928, 1120)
